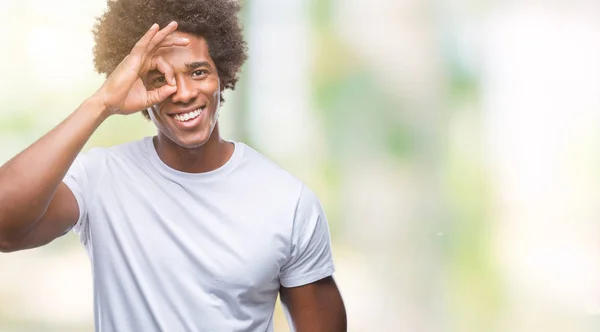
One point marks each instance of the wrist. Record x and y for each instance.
(95, 105)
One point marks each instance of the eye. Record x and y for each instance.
(200, 72)
(158, 80)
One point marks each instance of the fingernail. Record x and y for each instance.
(153, 26)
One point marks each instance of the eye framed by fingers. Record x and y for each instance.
(159, 80)
(154, 79)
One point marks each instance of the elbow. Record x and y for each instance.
(8, 246)
(9, 242)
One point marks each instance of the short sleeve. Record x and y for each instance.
(310, 257)
(77, 181)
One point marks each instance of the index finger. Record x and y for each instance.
(142, 44)
(161, 35)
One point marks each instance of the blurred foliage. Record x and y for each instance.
(439, 264)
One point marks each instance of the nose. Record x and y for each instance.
(185, 93)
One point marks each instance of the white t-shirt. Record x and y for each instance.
(175, 251)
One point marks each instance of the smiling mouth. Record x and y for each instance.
(183, 117)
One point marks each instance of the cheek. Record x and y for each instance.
(158, 122)
(211, 87)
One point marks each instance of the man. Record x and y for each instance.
(185, 231)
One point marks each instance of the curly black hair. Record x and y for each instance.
(125, 21)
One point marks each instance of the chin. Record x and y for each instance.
(194, 142)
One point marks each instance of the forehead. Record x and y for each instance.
(178, 56)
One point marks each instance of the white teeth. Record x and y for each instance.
(187, 116)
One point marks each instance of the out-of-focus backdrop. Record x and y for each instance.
(455, 146)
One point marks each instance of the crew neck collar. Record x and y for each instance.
(172, 173)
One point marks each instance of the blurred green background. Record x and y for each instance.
(454, 145)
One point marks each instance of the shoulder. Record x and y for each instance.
(134, 149)
(99, 160)
(271, 182)
(263, 169)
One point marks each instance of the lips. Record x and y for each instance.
(187, 120)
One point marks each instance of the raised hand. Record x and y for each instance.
(123, 92)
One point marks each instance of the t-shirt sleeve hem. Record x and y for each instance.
(307, 278)
(72, 185)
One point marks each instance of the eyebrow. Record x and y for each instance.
(197, 64)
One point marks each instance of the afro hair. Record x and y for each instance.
(125, 21)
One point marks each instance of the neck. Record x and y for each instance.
(205, 158)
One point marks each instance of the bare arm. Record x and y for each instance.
(35, 206)
(316, 307)
(29, 181)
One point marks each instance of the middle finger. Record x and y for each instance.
(160, 36)
(172, 40)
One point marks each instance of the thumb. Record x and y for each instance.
(159, 95)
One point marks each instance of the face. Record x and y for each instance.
(188, 117)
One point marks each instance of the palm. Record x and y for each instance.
(125, 91)
(136, 99)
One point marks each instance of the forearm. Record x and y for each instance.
(29, 180)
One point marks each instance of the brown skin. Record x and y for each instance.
(36, 207)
